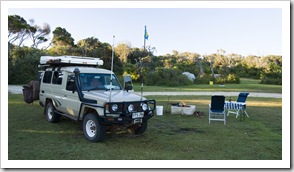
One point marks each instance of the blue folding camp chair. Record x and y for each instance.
(216, 109)
(239, 105)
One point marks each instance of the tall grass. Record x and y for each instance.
(168, 137)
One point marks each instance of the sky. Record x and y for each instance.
(245, 31)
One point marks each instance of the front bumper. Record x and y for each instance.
(123, 116)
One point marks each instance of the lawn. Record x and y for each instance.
(249, 85)
(168, 137)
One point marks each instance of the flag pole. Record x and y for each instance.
(145, 32)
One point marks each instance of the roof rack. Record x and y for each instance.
(47, 61)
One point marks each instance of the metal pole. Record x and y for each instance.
(112, 55)
(141, 77)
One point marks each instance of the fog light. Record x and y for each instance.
(131, 108)
(114, 107)
(144, 106)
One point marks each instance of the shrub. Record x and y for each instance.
(232, 78)
(131, 69)
(204, 79)
(274, 78)
(273, 81)
(166, 77)
(220, 80)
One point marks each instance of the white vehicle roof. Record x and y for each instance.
(75, 60)
(84, 69)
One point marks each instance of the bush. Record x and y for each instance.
(204, 80)
(231, 78)
(274, 78)
(220, 80)
(23, 65)
(166, 77)
(273, 81)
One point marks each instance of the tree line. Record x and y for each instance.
(219, 66)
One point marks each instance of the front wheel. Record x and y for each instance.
(141, 129)
(93, 130)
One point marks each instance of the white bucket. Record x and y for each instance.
(159, 110)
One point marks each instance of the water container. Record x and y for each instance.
(159, 110)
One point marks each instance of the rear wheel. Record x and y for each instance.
(93, 130)
(50, 113)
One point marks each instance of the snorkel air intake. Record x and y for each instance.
(78, 88)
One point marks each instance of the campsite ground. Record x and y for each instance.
(168, 137)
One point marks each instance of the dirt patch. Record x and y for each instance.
(189, 130)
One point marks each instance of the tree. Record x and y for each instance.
(23, 64)
(135, 55)
(210, 59)
(150, 50)
(90, 47)
(62, 38)
(18, 29)
(63, 43)
(39, 34)
(122, 51)
(199, 61)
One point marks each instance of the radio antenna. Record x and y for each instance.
(112, 55)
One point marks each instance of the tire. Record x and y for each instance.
(93, 130)
(51, 116)
(141, 129)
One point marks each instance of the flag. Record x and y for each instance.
(146, 34)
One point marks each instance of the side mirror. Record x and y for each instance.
(71, 86)
(128, 87)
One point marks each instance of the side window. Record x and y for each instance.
(57, 78)
(70, 85)
(47, 77)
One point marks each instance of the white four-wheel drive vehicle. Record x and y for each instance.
(76, 88)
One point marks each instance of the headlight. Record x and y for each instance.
(131, 108)
(114, 107)
(144, 106)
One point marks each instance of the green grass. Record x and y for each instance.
(168, 137)
(250, 85)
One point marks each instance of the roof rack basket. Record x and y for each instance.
(48, 61)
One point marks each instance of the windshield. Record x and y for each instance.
(94, 81)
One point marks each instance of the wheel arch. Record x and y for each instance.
(99, 130)
(46, 102)
(85, 109)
